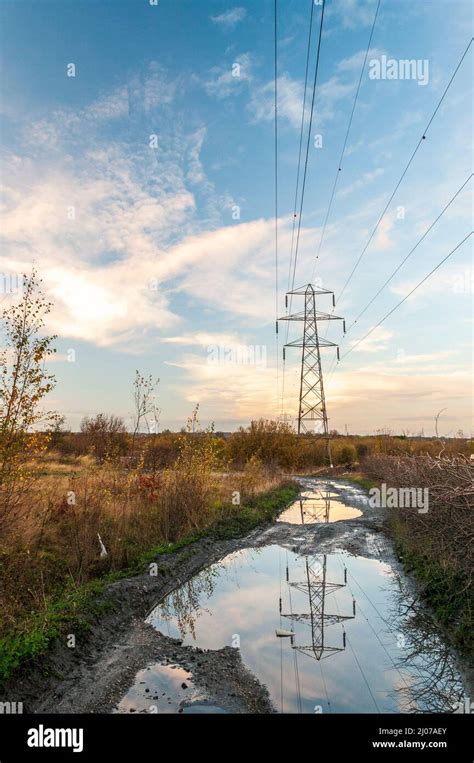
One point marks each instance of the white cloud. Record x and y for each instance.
(352, 14)
(100, 222)
(230, 18)
(378, 340)
(109, 107)
(355, 61)
(233, 391)
(202, 339)
(140, 95)
(382, 239)
(452, 279)
(425, 358)
(134, 243)
(290, 101)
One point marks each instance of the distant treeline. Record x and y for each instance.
(274, 444)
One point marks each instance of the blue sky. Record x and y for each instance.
(159, 267)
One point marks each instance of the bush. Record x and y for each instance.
(346, 455)
(437, 546)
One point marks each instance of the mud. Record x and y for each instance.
(95, 676)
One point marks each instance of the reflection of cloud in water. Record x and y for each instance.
(158, 689)
(318, 505)
(240, 596)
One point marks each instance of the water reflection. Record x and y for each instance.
(318, 506)
(184, 602)
(316, 586)
(252, 596)
(158, 689)
(436, 686)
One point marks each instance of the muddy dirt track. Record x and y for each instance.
(98, 675)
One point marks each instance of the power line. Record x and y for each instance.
(410, 252)
(412, 667)
(308, 142)
(293, 258)
(339, 166)
(301, 142)
(359, 609)
(276, 199)
(408, 295)
(352, 649)
(295, 656)
(423, 137)
(324, 684)
(363, 674)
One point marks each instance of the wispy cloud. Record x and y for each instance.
(100, 216)
(365, 179)
(224, 81)
(352, 14)
(202, 339)
(290, 101)
(378, 340)
(230, 18)
(355, 61)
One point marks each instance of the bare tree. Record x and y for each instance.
(146, 411)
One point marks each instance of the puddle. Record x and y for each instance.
(201, 707)
(157, 689)
(324, 501)
(165, 689)
(314, 508)
(330, 655)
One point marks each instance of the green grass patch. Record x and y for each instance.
(361, 480)
(263, 508)
(75, 608)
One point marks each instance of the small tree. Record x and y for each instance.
(189, 481)
(147, 413)
(24, 382)
(106, 436)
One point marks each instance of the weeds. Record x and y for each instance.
(437, 547)
(76, 606)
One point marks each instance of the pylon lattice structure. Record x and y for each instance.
(312, 414)
(317, 587)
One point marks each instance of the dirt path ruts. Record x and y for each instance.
(95, 675)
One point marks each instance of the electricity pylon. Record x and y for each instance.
(312, 414)
(317, 587)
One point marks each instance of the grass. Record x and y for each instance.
(76, 607)
(362, 480)
(263, 508)
(357, 478)
(448, 594)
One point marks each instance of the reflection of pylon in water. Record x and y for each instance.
(311, 514)
(317, 587)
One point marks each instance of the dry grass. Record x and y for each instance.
(438, 546)
(56, 539)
